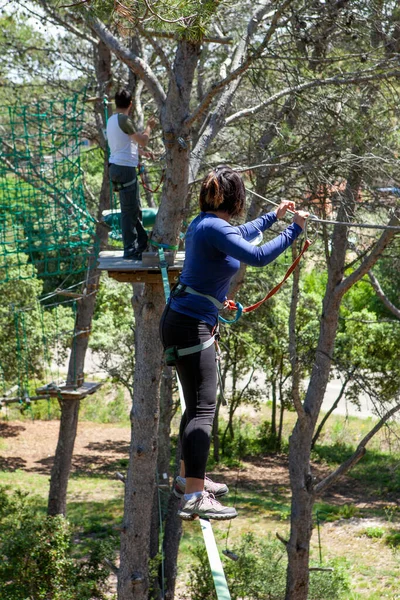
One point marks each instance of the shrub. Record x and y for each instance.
(36, 559)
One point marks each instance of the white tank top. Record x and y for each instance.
(123, 150)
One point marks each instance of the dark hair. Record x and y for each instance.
(123, 98)
(223, 189)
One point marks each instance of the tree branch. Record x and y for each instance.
(137, 64)
(375, 284)
(215, 120)
(206, 39)
(370, 260)
(157, 48)
(239, 70)
(54, 19)
(353, 78)
(358, 454)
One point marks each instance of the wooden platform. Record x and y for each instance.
(69, 393)
(134, 271)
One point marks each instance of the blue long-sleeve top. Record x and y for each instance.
(214, 251)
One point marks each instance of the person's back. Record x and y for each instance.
(123, 150)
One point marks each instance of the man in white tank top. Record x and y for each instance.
(124, 157)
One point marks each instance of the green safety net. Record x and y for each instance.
(34, 353)
(44, 221)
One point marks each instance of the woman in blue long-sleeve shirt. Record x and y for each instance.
(214, 250)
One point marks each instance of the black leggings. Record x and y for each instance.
(198, 376)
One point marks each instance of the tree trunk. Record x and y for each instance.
(300, 440)
(280, 428)
(293, 356)
(166, 578)
(57, 501)
(172, 537)
(149, 302)
(133, 576)
(301, 513)
(273, 413)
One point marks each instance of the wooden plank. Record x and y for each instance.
(70, 393)
(113, 261)
(143, 277)
(151, 259)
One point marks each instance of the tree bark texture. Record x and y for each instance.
(169, 502)
(172, 537)
(57, 501)
(133, 577)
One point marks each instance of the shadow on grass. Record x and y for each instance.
(12, 463)
(274, 505)
(118, 447)
(379, 472)
(95, 521)
(85, 466)
(7, 430)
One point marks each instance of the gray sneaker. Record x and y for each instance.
(216, 489)
(205, 507)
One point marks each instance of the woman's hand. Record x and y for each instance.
(300, 217)
(283, 207)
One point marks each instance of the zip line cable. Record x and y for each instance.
(316, 219)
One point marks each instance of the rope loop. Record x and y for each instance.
(231, 305)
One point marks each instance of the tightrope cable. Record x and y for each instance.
(316, 219)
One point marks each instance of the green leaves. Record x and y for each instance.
(187, 19)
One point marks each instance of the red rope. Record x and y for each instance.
(146, 187)
(231, 305)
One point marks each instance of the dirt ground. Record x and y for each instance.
(30, 446)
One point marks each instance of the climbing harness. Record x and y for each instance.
(173, 353)
(117, 186)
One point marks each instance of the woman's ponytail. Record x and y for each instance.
(214, 194)
(223, 190)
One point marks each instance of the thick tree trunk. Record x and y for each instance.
(57, 501)
(133, 577)
(85, 308)
(171, 522)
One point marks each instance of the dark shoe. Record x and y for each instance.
(132, 255)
